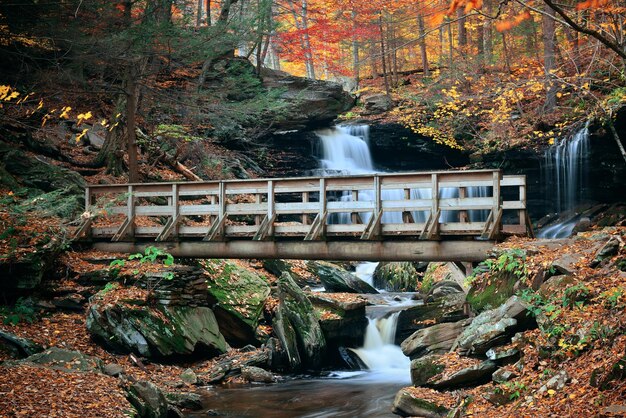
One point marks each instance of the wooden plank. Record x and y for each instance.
(305, 201)
(171, 226)
(372, 230)
(216, 231)
(265, 228)
(318, 227)
(318, 250)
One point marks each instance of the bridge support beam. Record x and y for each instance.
(316, 250)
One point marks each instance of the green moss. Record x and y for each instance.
(237, 290)
(500, 288)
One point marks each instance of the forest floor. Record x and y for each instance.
(30, 391)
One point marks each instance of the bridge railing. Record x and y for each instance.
(427, 205)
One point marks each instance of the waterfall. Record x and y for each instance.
(379, 353)
(345, 150)
(564, 170)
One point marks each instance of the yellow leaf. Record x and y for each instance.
(65, 112)
(551, 392)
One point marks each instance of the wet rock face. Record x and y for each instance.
(313, 102)
(237, 296)
(390, 140)
(337, 279)
(297, 311)
(158, 331)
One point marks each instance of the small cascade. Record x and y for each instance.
(564, 170)
(379, 353)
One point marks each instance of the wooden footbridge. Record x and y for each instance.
(384, 217)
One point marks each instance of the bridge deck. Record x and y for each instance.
(375, 216)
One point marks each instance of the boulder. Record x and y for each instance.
(311, 102)
(566, 263)
(608, 250)
(493, 327)
(158, 331)
(437, 339)
(503, 355)
(147, 399)
(189, 377)
(445, 309)
(278, 267)
(469, 376)
(288, 344)
(237, 296)
(491, 292)
(18, 346)
(376, 103)
(337, 279)
(113, 370)
(257, 375)
(408, 403)
(185, 400)
(503, 375)
(556, 382)
(63, 360)
(442, 289)
(425, 368)
(298, 310)
(556, 284)
(396, 277)
(343, 322)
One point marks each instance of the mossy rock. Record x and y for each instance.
(337, 279)
(238, 296)
(492, 291)
(425, 368)
(396, 277)
(156, 332)
(296, 308)
(407, 404)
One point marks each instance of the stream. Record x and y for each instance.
(349, 394)
(366, 393)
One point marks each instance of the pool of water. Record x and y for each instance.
(342, 395)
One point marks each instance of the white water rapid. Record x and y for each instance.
(564, 171)
(345, 150)
(379, 353)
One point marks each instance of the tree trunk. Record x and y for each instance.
(461, 27)
(450, 45)
(131, 126)
(488, 35)
(199, 13)
(422, 44)
(505, 49)
(308, 52)
(549, 50)
(382, 53)
(207, 11)
(356, 68)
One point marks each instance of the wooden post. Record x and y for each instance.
(354, 215)
(87, 198)
(270, 207)
(258, 200)
(131, 212)
(322, 212)
(522, 198)
(378, 204)
(305, 199)
(175, 209)
(463, 214)
(222, 200)
(434, 210)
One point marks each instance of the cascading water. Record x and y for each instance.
(564, 170)
(345, 149)
(379, 353)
